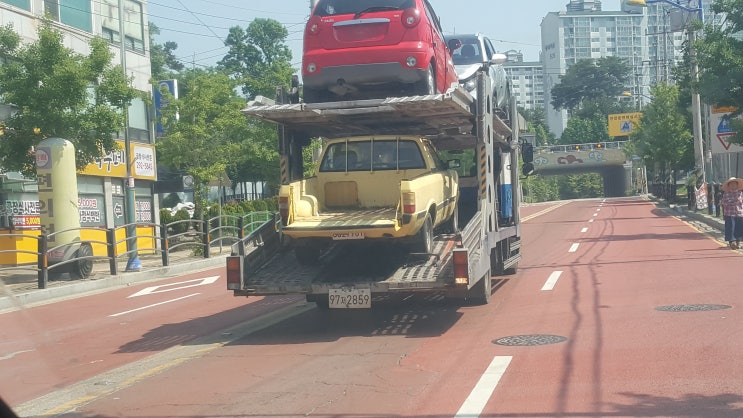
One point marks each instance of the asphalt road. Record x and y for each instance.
(618, 309)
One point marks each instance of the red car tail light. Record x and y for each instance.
(411, 18)
(314, 26)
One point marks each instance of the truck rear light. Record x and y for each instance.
(411, 18)
(461, 266)
(234, 272)
(408, 202)
(284, 209)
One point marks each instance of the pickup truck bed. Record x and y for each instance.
(382, 217)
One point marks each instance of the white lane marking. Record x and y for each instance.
(480, 395)
(584, 230)
(598, 210)
(595, 214)
(169, 287)
(573, 248)
(552, 280)
(590, 221)
(155, 304)
(11, 355)
(603, 201)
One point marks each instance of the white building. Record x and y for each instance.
(527, 83)
(648, 38)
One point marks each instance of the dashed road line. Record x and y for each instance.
(552, 280)
(480, 395)
(584, 230)
(574, 248)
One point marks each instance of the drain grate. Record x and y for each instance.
(692, 308)
(530, 340)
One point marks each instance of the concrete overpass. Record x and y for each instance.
(605, 158)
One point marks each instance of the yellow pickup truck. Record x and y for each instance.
(371, 188)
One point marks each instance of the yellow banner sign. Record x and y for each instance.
(623, 124)
(142, 157)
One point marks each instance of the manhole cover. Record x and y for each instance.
(530, 340)
(691, 308)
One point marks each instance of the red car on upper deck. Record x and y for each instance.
(362, 49)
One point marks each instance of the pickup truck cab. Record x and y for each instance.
(371, 189)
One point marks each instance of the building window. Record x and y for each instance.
(21, 4)
(133, 26)
(75, 13)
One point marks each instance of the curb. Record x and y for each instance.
(20, 300)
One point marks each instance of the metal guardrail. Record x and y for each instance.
(77, 257)
(580, 147)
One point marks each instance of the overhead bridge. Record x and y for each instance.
(606, 158)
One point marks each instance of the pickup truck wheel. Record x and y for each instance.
(424, 238)
(307, 254)
(427, 86)
(452, 225)
(480, 292)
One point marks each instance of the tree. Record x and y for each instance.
(720, 55)
(589, 80)
(162, 58)
(51, 87)
(663, 137)
(536, 122)
(206, 138)
(259, 58)
(581, 131)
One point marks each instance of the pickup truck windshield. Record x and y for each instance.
(372, 155)
(343, 7)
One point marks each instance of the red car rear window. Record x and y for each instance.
(344, 7)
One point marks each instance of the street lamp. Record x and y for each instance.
(696, 106)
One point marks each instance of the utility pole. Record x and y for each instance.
(133, 264)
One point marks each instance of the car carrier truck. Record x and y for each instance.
(486, 240)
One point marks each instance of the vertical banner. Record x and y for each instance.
(163, 86)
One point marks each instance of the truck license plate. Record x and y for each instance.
(349, 298)
(348, 236)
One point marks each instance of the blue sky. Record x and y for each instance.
(198, 26)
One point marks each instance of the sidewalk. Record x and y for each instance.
(19, 287)
(710, 224)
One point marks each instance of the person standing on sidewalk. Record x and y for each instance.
(732, 211)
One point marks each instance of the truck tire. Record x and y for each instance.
(307, 254)
(427, 86)
(424, 238)
(480, 292)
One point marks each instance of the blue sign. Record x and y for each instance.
(170, 86)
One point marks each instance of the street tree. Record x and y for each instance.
(536, 122)
(585, 130)
(588, 80)
(56, 92)
(205, 138)
(258, 57)
(720, 54)
(662, 138)
(164, 63)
